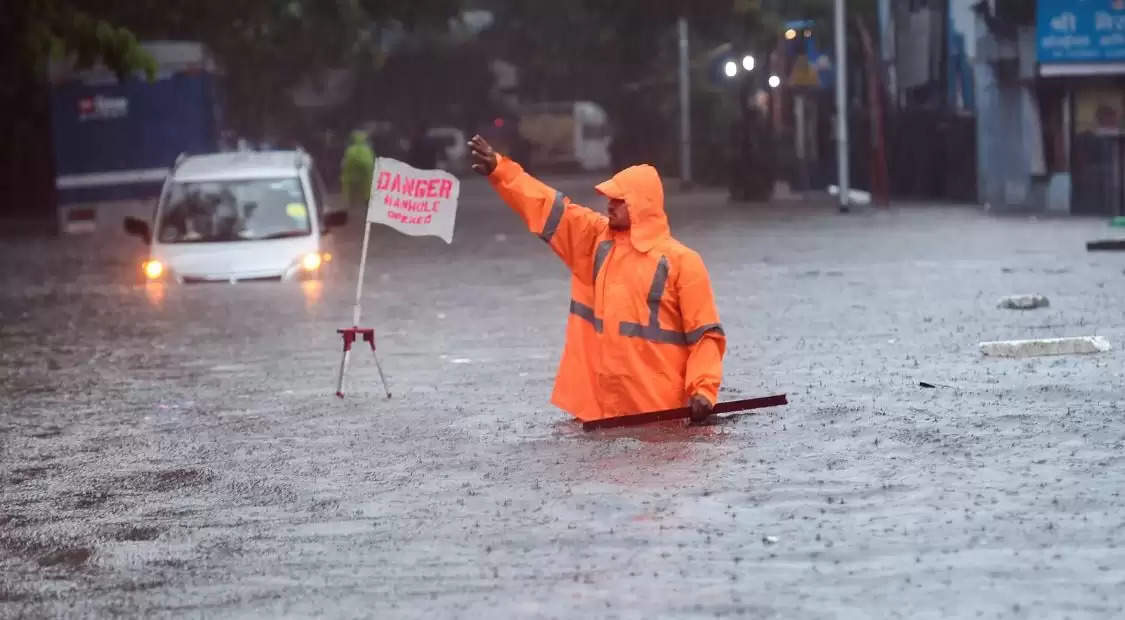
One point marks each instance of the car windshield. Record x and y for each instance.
(241, 210)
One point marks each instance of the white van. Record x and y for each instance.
(241, 215)
(571, 133)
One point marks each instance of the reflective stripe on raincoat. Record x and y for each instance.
(643, 332)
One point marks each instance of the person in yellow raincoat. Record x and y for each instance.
(643, 332)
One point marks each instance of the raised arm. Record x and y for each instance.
(571, 230)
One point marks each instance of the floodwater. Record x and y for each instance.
(176, 450)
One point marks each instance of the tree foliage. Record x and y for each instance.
(40, 30)
(267, 47)
(32, 32)
(624, 54)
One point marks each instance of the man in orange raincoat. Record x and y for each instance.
(643, 333)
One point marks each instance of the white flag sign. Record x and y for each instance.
(412, 201)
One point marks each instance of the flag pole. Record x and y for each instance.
(355, 320)
(356, 309)
(362, 264)
(351, 334)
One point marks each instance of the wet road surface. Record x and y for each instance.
(176, 450)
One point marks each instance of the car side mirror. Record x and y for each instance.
(335, 219)
(138, 228)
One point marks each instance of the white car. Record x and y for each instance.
(241, 215)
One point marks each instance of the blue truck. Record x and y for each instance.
(115, 140)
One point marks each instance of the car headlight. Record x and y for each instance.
(153, 269)
(311, 262)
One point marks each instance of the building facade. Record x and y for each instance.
(1045, 81)
(1051, 108)
(1080, 47)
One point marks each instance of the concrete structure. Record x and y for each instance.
(1009, 141)
(1044, 81)
(1052, 99)
(927, 49)
(1081, 84)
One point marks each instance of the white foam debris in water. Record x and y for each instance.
(501, 237)
(1023, 302)
(461, 360)
(1046, 346)
(441, 315)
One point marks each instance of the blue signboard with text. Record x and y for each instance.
(1081, 31)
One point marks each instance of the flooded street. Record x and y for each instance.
(173, 450)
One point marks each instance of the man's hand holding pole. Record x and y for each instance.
(700, 408)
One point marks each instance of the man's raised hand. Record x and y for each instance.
(483, 156)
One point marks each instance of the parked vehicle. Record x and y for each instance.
(116, 140)
(239, 216)
(567, 134)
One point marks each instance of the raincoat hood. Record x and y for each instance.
(643, 193)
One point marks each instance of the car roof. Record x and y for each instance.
(240, 165)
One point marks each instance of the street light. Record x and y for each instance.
(748, 62)
(775, 81)
(730, 68)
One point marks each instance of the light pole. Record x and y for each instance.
(685, 106)
(842, 106)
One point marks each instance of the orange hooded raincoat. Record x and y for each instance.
(643, 332)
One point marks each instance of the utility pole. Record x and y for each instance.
(685, 106)
(842, 105)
